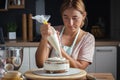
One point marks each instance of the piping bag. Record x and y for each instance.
(53, 38)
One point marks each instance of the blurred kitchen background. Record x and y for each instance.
(103, 16)
(103, 19)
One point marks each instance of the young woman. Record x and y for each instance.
(77, 45)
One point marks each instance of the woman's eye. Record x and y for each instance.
(75, 18)
(65, 17)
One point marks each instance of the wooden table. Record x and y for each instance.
(102, 76)
(79, 76)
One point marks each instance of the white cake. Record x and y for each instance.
(56, 65)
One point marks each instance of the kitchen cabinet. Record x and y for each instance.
(105, 60)
(32, 57)
(25, 64)
(28, 59)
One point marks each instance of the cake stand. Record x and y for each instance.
(72, 74)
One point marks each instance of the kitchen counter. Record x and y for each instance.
(102, 76)
(107, 43)
(35, 44)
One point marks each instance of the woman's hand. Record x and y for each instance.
(46, 30)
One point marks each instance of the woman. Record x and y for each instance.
(77, 45)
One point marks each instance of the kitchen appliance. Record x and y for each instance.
(14, 58)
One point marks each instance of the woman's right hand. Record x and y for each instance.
(46, 30)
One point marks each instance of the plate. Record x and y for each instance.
(71, 71)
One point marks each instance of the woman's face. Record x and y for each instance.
(72, 18)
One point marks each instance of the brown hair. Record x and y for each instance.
(76, 4)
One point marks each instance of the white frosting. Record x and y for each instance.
(57, 58)
(54, 67)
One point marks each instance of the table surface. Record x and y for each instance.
(102, 76)
(30, 75)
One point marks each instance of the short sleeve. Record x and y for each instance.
(87, 50)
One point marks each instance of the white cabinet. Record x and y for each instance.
(25, 64)
(105, 60)
(28, 59)
(32, 57)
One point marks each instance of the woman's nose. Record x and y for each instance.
(70, 22)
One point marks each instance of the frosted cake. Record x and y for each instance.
(56, 65)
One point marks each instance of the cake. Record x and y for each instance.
(56, 65)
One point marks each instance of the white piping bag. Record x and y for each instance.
(53, 38)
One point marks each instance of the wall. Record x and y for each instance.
(53, 8)
(115, 28)
(40, 10)
(115, 19)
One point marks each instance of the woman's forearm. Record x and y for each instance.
(75, 63)
(71, 60)
(42, 52)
